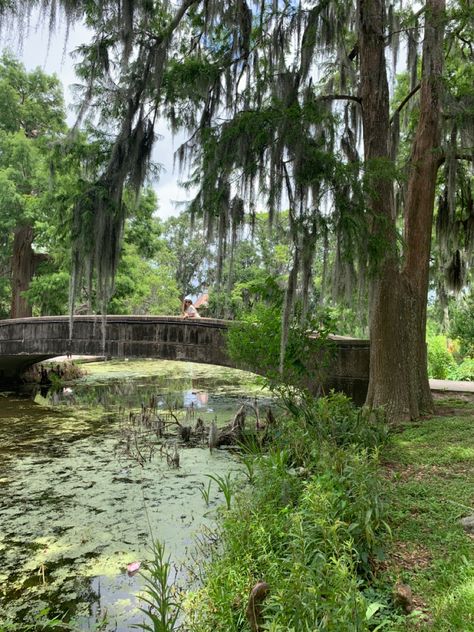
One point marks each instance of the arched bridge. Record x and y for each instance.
(25, 341)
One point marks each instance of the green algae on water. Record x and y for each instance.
(74, 512)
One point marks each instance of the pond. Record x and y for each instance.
(76, 508)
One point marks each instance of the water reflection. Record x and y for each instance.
(195, 399)
(44, 389)
(211, 396)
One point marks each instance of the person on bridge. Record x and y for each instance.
(189, 311)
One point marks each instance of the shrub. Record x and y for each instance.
(440, 360)
(254, 343)
(334, 419)
(462, 324)
(287, 532)
(463, 371)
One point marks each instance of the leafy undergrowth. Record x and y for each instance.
(310, 525)
(429, 469)
(313, 525)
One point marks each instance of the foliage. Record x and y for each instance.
(464, 371)
(144, 286)
(34, 119)
(223, 305)
(255, 343)
(445, 361)
(462, 324)
(193, 257)
(440, 360)
(309, 526)
(255, 270)
(334, 418)
(23, 183)
(143, 229)
(31, 101)
(349, 321)
(144, 281)
(259, 287)
(49, 291)
(5, 296)
(454, 246)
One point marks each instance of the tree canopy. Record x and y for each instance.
(303, 107)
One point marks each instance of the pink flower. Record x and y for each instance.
(133, 567)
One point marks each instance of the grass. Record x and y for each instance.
(429, 470)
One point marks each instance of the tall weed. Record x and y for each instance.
(161, 604)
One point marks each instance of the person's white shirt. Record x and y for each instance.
(191, 312)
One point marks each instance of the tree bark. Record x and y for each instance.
(387, 379)
(24, 262)
(421, 190)
(398, 362)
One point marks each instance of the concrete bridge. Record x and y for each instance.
(25, 341)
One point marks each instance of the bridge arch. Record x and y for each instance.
(25, 341)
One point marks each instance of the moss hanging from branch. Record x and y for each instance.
(99, 214)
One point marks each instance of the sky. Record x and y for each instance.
(35, 47)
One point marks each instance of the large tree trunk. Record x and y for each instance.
(23, 265)
(421, 192)
(398, 375)
(387, 381)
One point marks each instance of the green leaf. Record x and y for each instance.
(372, 608)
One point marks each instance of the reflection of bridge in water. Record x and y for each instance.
(25, 341)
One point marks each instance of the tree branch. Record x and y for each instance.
(405, 101)
(339, 97)
(354, 52)
(458, 156)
